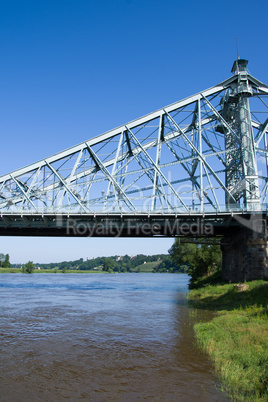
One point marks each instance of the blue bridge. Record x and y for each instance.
(197, 169)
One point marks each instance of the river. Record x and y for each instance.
(101, 337)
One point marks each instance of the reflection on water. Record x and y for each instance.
(98, 337)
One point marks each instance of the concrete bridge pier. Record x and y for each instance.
(246, 256)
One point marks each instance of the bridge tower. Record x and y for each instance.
(246, 256)
(241, 178)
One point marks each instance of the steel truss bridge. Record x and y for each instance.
(197, 164)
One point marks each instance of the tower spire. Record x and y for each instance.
(237, 49)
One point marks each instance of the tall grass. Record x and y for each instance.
(237, 338)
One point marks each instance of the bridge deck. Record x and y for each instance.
(125, 225)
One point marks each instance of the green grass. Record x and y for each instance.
(68, 271)
(50, 271)
(9, 270)
(148, 267)
(237, 338)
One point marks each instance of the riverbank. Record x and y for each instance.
(237, 338)
(143, 268)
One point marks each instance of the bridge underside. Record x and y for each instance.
(195, 226)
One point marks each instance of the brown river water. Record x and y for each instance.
(96, 337)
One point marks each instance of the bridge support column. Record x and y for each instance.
(246, 258)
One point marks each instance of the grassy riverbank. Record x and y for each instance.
(143, 268)
(237, 338)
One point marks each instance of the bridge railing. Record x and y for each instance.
(99, 209)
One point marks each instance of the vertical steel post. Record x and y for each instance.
(157, 161)
(200, 158)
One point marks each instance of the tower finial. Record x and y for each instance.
(237, 49)
(239, 65)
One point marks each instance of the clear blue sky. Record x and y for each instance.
(73, 69)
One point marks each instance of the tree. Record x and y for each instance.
(108, 265)
(202, 260)
(28, 268)
(6, 263)
(83, 267)
(168, 265)
(209, 259)
(2, 259)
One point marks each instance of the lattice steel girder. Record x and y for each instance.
(207, 152)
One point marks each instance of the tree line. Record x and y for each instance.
(198, 260)
(126, 263)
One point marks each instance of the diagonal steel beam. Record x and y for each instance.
(113, 170)
(219, 116)
(66, 186)
(106, 172)
(262, 131)
(23, 191)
